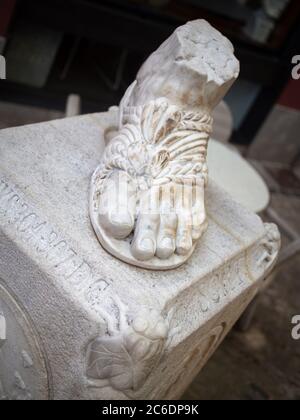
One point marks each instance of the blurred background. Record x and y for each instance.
(79, 56)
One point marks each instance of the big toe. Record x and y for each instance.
(118, 205)
(119, 225)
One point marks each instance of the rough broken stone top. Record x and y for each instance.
(148, 194)
(194, 69)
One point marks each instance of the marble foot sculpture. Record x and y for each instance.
(148, 194)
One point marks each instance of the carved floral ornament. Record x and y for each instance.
(263, 259)
(271, 245)
(125, 356)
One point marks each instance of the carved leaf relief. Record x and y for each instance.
(125, 358)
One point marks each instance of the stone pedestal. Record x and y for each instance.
(76, 323)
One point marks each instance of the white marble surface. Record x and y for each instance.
(65, 299)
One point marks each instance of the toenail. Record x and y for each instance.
(167, 243)
(166, 248)
(147, 245)
(184, 247)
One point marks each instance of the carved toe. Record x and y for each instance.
(165, 248)
(143, 249)
(184, 245)
(119, 226)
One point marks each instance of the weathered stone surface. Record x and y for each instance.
(81, 324)
(193, 69)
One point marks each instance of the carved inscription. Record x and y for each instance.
(229, 280)
(263, 256)
(48, 244)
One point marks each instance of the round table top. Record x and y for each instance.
(236, 176)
